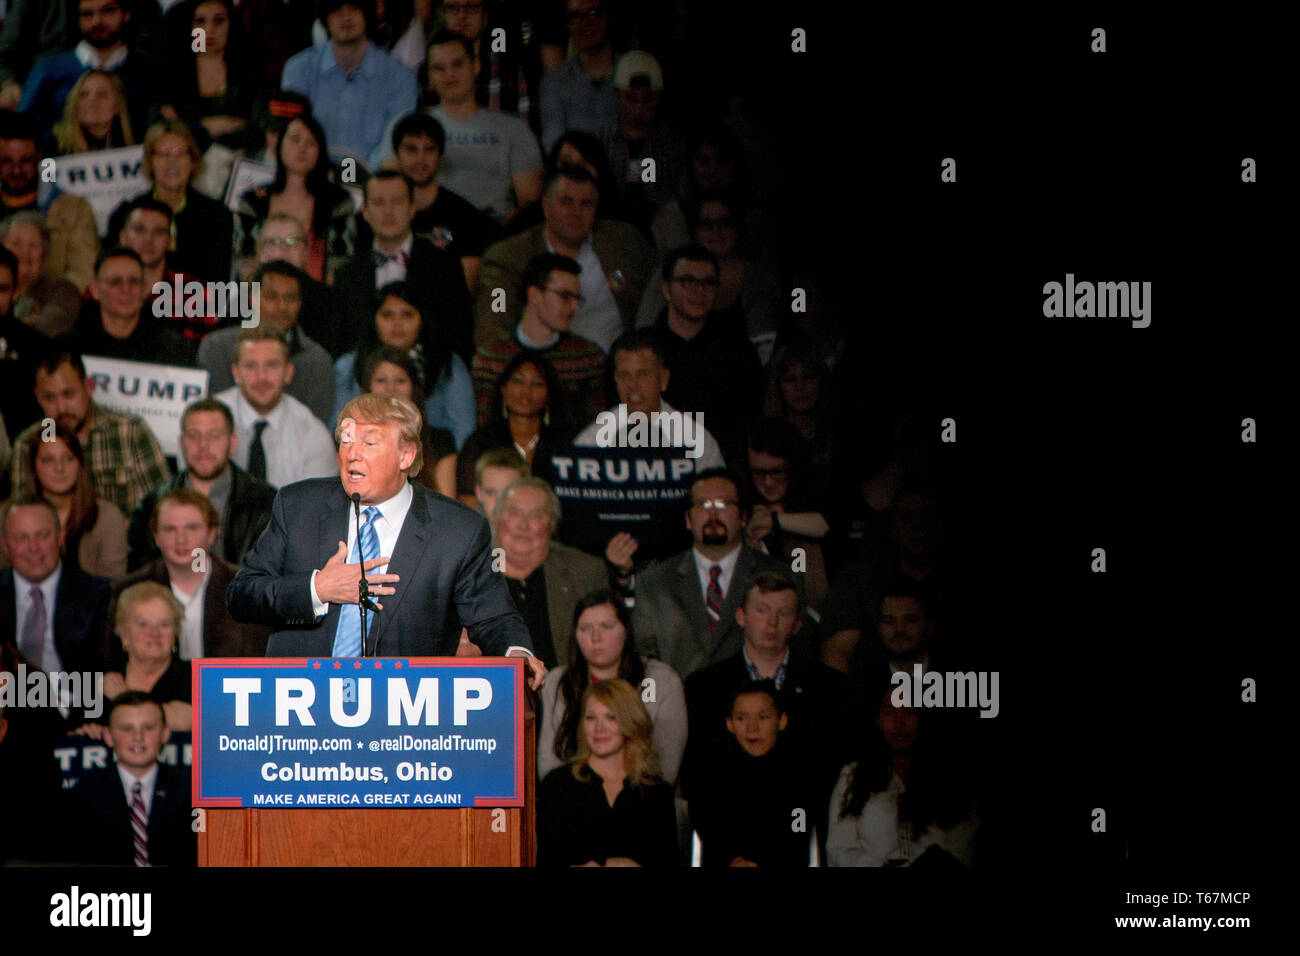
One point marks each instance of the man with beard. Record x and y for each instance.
(102, 24)
(125, 461)
(243, 502)
(69, 220)
(686, 606)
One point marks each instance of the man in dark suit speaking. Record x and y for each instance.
(422, 553)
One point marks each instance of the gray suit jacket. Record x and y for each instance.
(443, 555)
(570, 576)
(670, 619)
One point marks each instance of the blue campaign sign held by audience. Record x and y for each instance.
(376, 732)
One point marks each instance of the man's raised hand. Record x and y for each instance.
(336, 583)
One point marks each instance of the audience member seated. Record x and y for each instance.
(815, 697)
(913, 550)
(356, 88)
(530, 425)
(147, 231)
(185, 527)
(398, 255)
(546, 578)
(494, 471)
(577, 94)
(717, 164)
(125, 461)
(601, 648)
(104, 46)
(715, 369)
(797, 391)
(279, 439)
(491, 158)
(69, 220)
(783, 523)
(403, 319)
(904, 800)
(616, 263)
(47, 304)
(93, 530)
(136, 811)
(641, 141)
(282, 238)
(686, 605)
(550, 289)
(748, 803)
(747, 295)
(117, 325)
(574, 148)
(304, 189)
(389, 370)
(213, 88)
(95, 116)
(242, 502)
(22, 348)
(442, 216)
(56, 611)
(608, 806)
(201, 227)
(394, 28)
(280, 302)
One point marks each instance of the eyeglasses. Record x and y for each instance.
(454, 9)
(290, 241)
(716, 504)
(589, 16)
(566, 295)
(691, 283)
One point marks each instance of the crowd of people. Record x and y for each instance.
(504, 213)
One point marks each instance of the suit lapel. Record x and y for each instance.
(695, 609)
(332, 529)
(406, 558)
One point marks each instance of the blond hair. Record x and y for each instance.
(374, 409)
(68, 134)
(640, 759)
(173, 128)
(147, 591)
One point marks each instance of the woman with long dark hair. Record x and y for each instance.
(304, 189)
(403, 319)
(608, 806)
(93, 531)
(390, 370)
(600, 648)
(903, 795)
(531, 420)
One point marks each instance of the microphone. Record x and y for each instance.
(363, 586)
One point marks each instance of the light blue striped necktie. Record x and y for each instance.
(347, 638)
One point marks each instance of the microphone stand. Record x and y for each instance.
(363, 586)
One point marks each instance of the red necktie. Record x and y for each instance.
(713, 600)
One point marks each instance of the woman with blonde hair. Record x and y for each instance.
(608, 806)
(95, 116)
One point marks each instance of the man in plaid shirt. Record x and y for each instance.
(125, 461)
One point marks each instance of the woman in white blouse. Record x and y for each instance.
(601, 647)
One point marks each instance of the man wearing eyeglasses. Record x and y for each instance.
(713, 366)
(685, 612)
(579, 93)
(553, 292)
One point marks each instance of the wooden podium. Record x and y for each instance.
(381, 836)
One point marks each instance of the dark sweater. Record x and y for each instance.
(576, 824)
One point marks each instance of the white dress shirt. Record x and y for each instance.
(388, 525)
(191, 636)
(296, 442)
(394, 270)
(728, 565)
(598, 319)
(147, 784)
(23, 600)
(93, 59)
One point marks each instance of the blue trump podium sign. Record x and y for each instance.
(369, 732)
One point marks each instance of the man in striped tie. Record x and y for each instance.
(137, 812)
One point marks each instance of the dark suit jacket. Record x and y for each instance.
(443, 554)
(104, 819)
(247, 513)
(436, 274)
(618, 245)
(205, 231)
(570, 576)
(670, 619)
(223, 636)
(81, 607)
